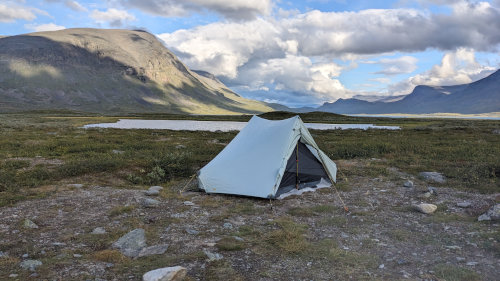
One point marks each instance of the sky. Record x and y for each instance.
(298, 53)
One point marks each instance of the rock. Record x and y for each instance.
(30, 264)
(381, 266)
(228, 225)
(77, 255)
(238, 238)
(13, 275)
(464, 204)
(180, 146)
(492, 214)
(432, 190)
(29, 224)
(192, 231)
(58, 244)
(152, 193)
(25, 256)
(408, 184)
(175, 273)
(153, 250)
(115, 151)
(3, 255)
(76, 185)
(188, 203)
(496, 131)
(150, 203)
(426, 195)
(426, 208)
(156, 187)
(131, 243)
(213, 256)
(472, 263)
(433, 177)
(98, 230)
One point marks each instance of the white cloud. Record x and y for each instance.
(113, 17)
(249, 53)
(234, 9)
(395, 66)
(73, 5)
(44, 27)
(10, 12)
(457, 67)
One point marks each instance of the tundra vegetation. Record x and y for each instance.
(47, 158)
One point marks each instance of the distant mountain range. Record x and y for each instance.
(482, 96)
(108, 71)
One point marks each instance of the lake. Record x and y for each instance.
(225, 126)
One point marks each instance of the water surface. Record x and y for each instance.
(225, 126)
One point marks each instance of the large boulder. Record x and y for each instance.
(131, 243)
(175, 273)
(493, 214)
(426, 208)
(30, 264)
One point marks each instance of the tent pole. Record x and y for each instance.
(297, 161)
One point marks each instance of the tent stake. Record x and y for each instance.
(182, 190)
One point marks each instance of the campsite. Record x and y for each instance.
(68, 194)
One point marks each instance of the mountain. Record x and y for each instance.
(482, 96)
(107, 71)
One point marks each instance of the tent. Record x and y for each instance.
(268, 159)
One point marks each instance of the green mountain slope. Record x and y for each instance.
(104, 70)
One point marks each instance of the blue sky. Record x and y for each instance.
(298, 52)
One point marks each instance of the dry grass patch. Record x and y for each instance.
(289, 237)
(118, 210)
(221, 270)
(448, 272)
(230, 244)
(113, 256)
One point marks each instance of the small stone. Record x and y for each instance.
(153, 250)
(453, 247)
(150, 203)
(484, 217)
(432, 190)
(115, 151)
(381, 266)
(75, 185)
(238, 238)
(156, 187)
(192, 231)
(3, 255)
(152, 193)
(228, 225)
(213, 256)
(30, 264)
(493, 213)
(426, 208)
(180, 146)
(464, 204)
(472, 263)
(427, 195)
(460, 259)
(77, 255)
(433, 177)
(13, 275)
(402, 262)
(98, 230)
(188, 203)
(175, 273)
(25, 256)
(29, 224)
(58, 244)
(408, 184)
(131, 243)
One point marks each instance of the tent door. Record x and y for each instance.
(310, 170)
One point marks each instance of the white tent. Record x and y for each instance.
(263, 160)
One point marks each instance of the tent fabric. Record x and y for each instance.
(255, 161)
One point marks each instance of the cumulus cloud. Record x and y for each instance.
(247, 54)
(113, 17)
(457, 67)
(44, 27)
(73, 5)
(235, 9)
(10, 12)
(395, 66)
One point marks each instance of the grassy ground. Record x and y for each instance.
(41, 153)
(40, 149)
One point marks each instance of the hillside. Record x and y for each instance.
(107, 71)
(482, 96)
